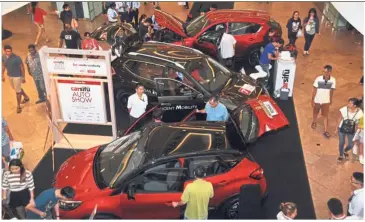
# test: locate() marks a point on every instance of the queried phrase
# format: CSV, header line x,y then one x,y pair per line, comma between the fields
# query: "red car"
x,y
139,175
247,26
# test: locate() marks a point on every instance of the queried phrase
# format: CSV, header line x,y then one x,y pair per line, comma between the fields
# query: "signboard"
x,y
82,102
64,65
284,76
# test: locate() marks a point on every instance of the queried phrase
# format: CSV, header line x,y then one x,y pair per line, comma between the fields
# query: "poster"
x,y
284,76
82,102
64,65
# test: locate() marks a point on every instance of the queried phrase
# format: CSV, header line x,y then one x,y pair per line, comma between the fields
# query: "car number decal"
x,y
270,108
246,89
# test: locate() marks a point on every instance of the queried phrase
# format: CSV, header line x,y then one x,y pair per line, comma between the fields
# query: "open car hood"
x,y
170,22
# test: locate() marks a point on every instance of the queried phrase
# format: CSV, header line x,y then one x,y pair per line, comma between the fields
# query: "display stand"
x,y
75,91
284,76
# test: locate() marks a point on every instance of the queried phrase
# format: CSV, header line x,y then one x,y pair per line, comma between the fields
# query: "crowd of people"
x,y
18,185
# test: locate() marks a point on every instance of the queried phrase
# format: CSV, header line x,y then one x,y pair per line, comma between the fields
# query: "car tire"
x,y
230,208
253,57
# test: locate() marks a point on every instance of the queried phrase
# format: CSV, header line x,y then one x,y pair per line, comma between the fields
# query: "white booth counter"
x,y
284,76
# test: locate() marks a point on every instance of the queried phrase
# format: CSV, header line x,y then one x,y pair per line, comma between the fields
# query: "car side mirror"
x,y
131,191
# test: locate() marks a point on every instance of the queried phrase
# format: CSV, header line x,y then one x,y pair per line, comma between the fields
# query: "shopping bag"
x,y
16,150
299,33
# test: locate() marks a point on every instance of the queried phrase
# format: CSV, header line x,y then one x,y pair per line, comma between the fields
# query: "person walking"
x,y
112,14
294,25
6,138
288,211
348,121
122,8
71,38
19,183
134,12
270,52
66,15
227,48
15,69
42,207
137,104
38,16
311,28
359,140
323,89
196,196
34,67
356,201
215,110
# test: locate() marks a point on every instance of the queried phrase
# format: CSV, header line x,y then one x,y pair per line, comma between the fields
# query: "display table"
x,y
284,76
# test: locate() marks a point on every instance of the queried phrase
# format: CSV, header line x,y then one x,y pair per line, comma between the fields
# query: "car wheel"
x,y
254,57
231,208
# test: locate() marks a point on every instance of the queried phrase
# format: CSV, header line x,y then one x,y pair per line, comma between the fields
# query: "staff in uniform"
x,y
137,104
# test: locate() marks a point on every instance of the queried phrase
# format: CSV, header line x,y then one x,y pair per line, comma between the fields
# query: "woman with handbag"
x,y
311,28
294,27
350,116
19,183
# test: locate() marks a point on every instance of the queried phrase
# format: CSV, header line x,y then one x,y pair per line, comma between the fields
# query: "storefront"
x,y
82,10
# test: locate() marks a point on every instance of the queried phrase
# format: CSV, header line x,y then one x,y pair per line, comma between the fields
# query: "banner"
x,y
63,65
284,76
82,102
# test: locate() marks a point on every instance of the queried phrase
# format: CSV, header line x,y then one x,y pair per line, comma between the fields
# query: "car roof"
x,y
167,53
180,139
232,14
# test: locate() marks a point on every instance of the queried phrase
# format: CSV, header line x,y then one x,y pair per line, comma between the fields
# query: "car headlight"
x,y
69,204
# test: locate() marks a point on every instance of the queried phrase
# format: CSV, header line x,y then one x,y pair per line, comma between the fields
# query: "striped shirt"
x,y
12,182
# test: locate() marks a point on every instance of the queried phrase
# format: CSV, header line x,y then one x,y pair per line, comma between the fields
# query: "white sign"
x,y
284,76
81,102
63,65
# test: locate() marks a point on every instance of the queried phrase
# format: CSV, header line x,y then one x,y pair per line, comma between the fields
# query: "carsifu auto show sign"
x,y
65,65
284,75
81,101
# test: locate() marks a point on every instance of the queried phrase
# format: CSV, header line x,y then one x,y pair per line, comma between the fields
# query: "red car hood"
x,y
269,114
77,172
171,22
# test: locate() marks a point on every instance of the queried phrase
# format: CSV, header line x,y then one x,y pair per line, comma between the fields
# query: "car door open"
x,y
172,90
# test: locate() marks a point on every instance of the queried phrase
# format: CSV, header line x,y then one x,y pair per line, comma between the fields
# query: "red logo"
x,y
90,71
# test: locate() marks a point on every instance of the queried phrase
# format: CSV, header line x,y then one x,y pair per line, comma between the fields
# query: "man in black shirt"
x,y
144,29
71,38
66,15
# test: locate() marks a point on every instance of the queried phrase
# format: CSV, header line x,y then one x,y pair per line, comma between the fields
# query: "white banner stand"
x,y
75,90
284,76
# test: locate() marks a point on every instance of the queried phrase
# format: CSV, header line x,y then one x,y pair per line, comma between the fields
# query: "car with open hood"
x,y
182,79
139,175
248,27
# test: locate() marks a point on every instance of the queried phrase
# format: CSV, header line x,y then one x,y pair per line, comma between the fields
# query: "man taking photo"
x,y
196,196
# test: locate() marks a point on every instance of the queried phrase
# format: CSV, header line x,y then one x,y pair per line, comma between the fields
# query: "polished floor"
x,y
327,177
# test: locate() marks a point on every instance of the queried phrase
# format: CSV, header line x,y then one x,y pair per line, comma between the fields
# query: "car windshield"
x,y
209,73
248,123
197,25
118,158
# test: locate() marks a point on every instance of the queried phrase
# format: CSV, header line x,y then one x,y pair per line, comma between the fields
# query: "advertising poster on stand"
x,y
82,101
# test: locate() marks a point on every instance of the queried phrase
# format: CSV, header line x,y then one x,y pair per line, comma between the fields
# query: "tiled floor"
x,y
327,177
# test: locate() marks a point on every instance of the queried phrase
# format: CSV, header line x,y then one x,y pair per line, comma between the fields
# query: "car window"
x,y
198,24
168,177
242,28
173,87
144,69
213,164
217,27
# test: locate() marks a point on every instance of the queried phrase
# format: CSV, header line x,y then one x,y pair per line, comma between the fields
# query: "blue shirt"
x,y
45,203
4,134
264,59
219,113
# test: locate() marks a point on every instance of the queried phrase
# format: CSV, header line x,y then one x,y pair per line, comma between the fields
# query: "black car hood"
x,y
239,89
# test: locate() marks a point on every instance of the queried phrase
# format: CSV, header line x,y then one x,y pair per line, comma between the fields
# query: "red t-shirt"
x,y
90,44
38,16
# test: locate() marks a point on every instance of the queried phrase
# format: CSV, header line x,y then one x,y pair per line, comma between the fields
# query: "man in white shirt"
x,y
137,104
336,211
112,13
226,48
122,8
323,88
356,201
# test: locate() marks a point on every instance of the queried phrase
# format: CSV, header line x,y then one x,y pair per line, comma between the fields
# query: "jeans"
x,y
41,89
266,68
124,17
5,152
342,140
292,40
308,41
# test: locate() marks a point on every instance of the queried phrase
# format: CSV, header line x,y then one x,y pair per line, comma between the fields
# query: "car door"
x,y
209,40
155,190
245,34
176,98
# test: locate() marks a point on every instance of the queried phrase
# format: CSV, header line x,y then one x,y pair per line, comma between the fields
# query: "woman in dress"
x,y
311,28
18,188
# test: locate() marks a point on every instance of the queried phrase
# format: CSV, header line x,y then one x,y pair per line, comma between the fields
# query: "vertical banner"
x,y
82,101
284,76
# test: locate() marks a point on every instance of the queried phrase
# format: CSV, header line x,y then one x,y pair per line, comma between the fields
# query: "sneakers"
x,y
306,53
339,159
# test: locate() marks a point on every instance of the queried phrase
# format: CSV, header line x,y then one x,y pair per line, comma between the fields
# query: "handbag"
x,y
299,33
348,125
